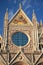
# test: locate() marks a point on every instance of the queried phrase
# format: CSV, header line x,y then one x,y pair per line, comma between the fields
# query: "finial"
x,y
7,10
33,10
20,5
33,13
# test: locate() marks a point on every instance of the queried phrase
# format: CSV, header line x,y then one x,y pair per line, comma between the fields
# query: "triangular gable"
x,y
20,56
2,61
24,18
37,62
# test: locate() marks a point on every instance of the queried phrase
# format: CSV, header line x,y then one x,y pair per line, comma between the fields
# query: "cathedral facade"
x,y
22,41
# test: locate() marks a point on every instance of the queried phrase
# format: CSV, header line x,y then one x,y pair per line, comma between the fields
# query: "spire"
x,y
34,20
7,10
20,6
33,15
40,22
6,18
6,14
5,28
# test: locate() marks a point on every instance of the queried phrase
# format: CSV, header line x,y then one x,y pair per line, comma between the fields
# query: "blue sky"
x,y
27,6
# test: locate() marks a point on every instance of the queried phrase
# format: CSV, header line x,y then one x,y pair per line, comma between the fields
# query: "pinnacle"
x,y
20,6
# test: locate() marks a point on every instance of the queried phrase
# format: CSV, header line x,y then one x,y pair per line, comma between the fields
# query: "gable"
x,y
20,18
20,56
40,59
2,61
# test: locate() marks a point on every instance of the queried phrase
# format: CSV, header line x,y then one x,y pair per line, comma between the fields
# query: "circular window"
x,y
20,39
